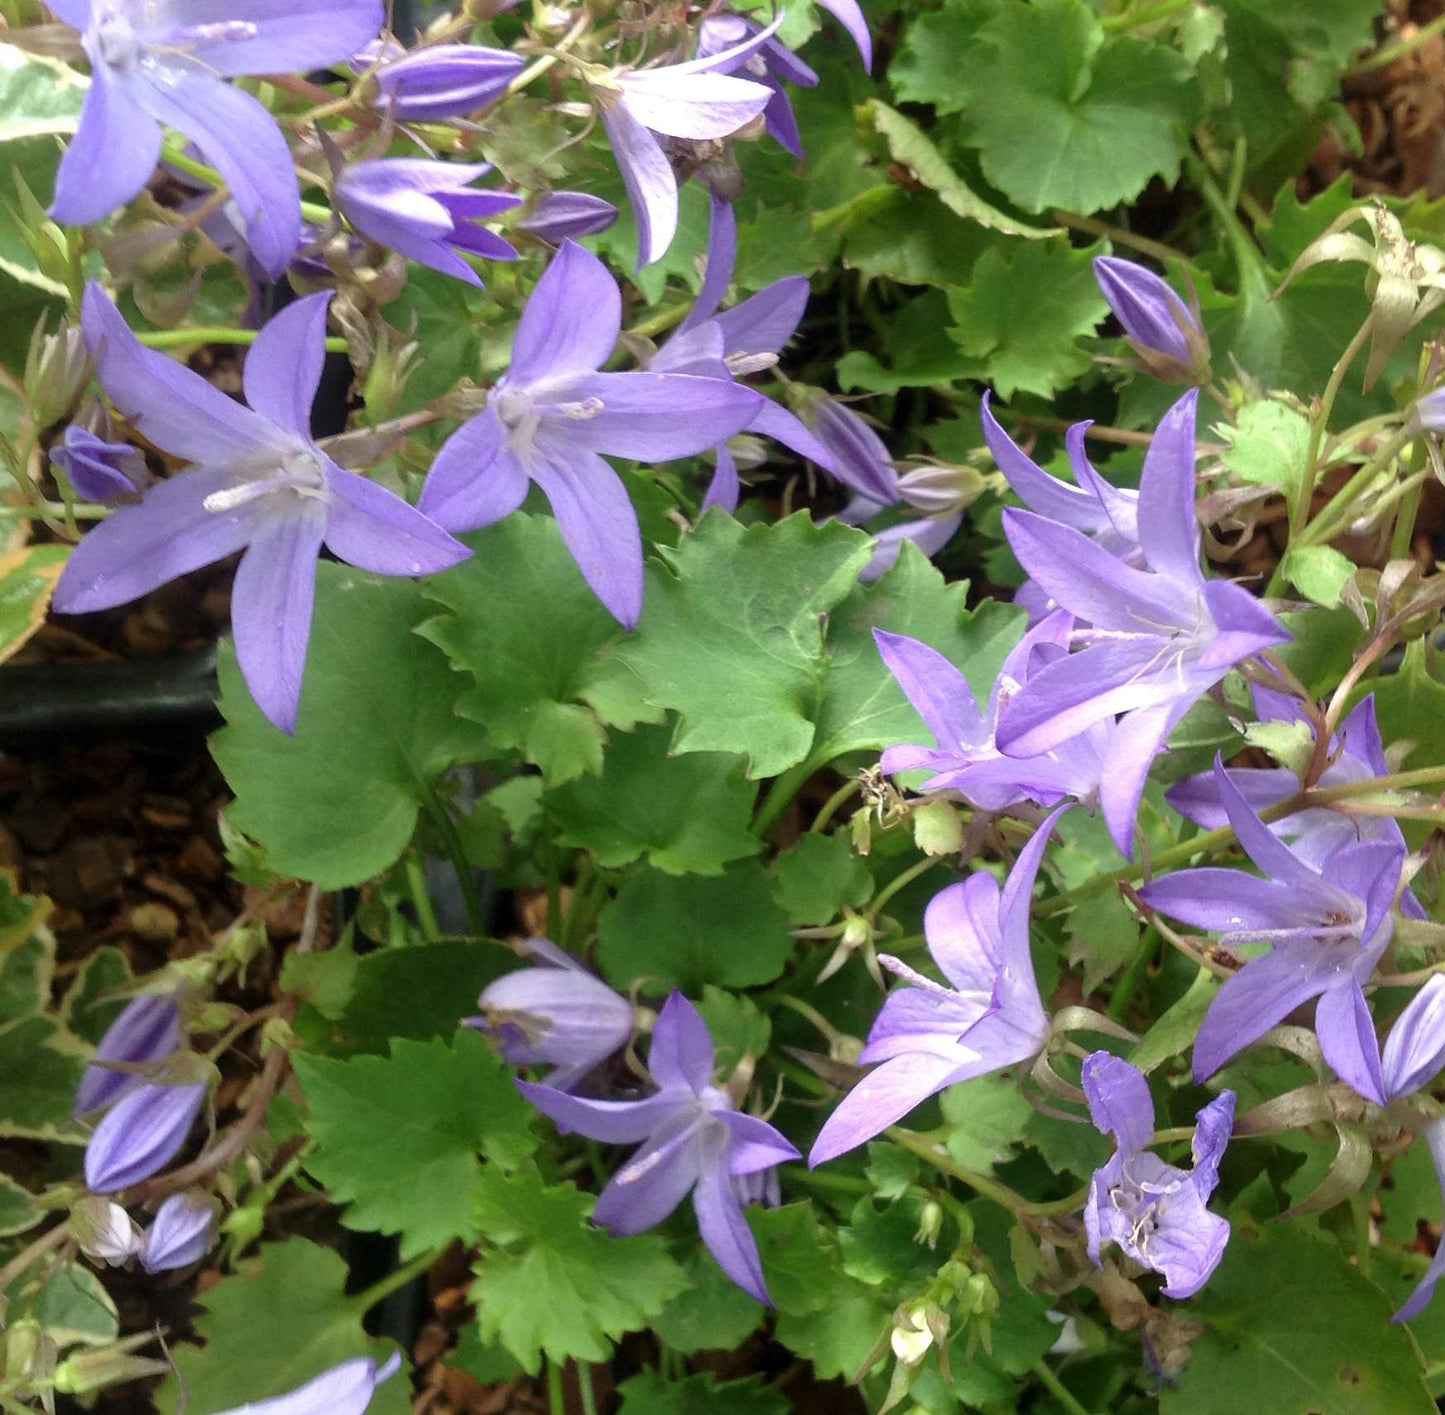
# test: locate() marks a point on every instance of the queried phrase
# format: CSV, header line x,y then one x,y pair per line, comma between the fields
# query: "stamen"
x,y
579,412
740,364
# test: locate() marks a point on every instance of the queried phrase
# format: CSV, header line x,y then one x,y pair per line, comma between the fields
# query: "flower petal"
x,y
571,321
682,1053
756,1145
649,179
938,691
698,106
726,1233
653,417
655,1179
112,155
763,323
613,1122
849,14
1347,1038
264,36
283,367
1168,527
1415,1048
474,480
723,490
883,1096
1419,1299
722,251
374,529
1119,1101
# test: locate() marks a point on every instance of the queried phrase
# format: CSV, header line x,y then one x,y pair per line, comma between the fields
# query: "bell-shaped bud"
x,y
99,470
436,82
147,1030
140,1135
912,1334
57,368
84,1372
1430,410
343,1390
558,1013
181,1232
1162,329
861,461
104,1232
562,216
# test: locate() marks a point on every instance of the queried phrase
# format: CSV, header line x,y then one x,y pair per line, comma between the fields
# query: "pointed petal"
x,y
1040,492
649,179
137,548
1231,901
1196,798
756,1145
1119,1101
723,490
722,252
653,417
775,421
726,1233
881,1098
346,1389
681,1054
929,534
276,36
763,323
598,524
655,1180
849,14
112,155
613,1122
283,367
1274,858
1134,743
474,480
1212,1128
374,529
1347,1038
1168,527
961,924
571,321
1016,898
938,691
1419,1299
1415,1048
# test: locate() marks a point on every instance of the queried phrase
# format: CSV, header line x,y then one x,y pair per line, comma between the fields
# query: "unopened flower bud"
x,y
437,82
140,1135
861,460
911,1335
84,1372
930,1222
104,1232
57,368
147,1030
559,216
181,1233
940,488
99,470
979,1297
245,1225
1162,329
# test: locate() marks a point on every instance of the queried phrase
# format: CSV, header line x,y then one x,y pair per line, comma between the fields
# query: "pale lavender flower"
x,y
849,14
180,1234
104,1232
929,533
771,65
1434,1137
261,485
1159,325
561,216
147,1030
551,415
425,211
1161,634
163,63
1326,928
1430,410
697,101
1415,1049
929,1036
140,1134
343,1390
439,81
558,1013
99,470
860,460
692,1140
1154,1211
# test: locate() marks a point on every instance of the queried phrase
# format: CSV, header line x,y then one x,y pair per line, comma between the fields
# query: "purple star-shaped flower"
x,y
261,484
157,62
770,65
552,414
692,1139
1326,928
1161,634
1154,1211
425,211
929,1036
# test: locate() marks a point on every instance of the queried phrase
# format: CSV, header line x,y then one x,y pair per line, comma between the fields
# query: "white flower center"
x,y
298,475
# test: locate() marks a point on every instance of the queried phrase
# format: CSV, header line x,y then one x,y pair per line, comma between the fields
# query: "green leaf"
x,y
73,1307
1319,572
687,814
818,877
1020,317
1103,935
937,44
398,1137
987,1118
91,1003
377,726
27,577
1266,444
19,1211
651,1393
1294,1329
1409,706
712,1313
737,1027
548,1282
1177,1028
39,1070
881,1247
529,634
327,981
915,239
732,634
443,317
37,96
664,931
799,1256
909,146
280,1320
26,971
1065,116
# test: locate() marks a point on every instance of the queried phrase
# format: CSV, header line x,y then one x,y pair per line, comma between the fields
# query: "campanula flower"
x,y
1162,329
147,1030
557,1013
1415,1049
180,1234
1326,928
99,470
1434,1136
551,415
140,1134
104,1232
1154,1211
165,64
849,14
692,1140
771,65
555,217
343,1390
425,211
439,81
261,485
860,460
929,1036
1160,634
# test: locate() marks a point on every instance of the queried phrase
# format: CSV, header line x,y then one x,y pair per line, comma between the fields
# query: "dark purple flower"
x,y
1326,928
180,1234
929,1036
1154,1211
1161,328
692,1139
140,1134
562,216
99,470
154,64
1160,634
439,81
262,485
343,1390
772,64
425,211
558,1013
147,1030
551,415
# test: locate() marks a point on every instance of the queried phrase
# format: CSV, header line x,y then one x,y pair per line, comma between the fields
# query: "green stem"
x,y
981,1184
830,807
1409,492
1300,511
1057,1388
456,851
1152,14
213,334
1336,509
368,1297
901,881
556,1397
1125,988
780,796
1400,48
85,510
584,1380
420,899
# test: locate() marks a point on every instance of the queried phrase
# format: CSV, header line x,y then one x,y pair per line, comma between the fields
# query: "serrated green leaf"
x,y
1319,572
19,1210
1266,444
279,1320
915,239
651,1393
398,1138
711,1314
376,728
549,1283
1019,318
737,1027
881,1247
327,980
799,1256
72,1305
1103,935
987,1117
665,931
688,814
816,878
92,1002
937,44
1177,1027
732,634
25,975
891,1169
1409,706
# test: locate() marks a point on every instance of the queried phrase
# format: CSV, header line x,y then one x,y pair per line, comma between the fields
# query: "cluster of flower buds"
x,y
181,1233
